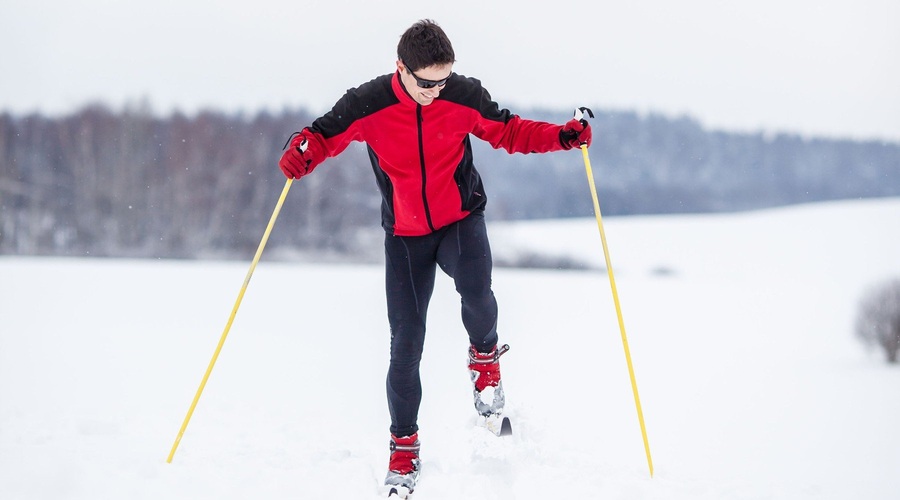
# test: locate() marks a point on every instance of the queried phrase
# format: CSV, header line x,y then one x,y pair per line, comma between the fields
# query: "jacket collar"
x,y
401,92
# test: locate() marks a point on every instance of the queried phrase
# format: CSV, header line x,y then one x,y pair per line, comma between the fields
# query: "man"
x,y
417,124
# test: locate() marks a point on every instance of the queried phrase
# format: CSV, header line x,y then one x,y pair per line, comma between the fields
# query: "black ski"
x,y
505,427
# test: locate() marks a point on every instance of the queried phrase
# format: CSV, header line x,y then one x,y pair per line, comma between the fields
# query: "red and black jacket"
x,y
421,155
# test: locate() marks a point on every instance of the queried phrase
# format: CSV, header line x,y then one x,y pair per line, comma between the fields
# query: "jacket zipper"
x,y
422,163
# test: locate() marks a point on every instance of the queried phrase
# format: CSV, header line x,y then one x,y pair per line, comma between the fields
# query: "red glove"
x,y
295,163
575,133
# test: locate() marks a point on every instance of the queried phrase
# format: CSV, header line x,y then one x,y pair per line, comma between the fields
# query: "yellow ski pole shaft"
x,y
615,294
234,310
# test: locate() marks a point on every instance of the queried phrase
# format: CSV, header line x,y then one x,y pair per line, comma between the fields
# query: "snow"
x,y
739,325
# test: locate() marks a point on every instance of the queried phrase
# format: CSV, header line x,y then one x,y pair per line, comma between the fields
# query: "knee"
x,y
406,348
473,287
483,302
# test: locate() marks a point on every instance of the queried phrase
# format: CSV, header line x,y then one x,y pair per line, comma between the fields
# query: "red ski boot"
x,y
484,368
403,470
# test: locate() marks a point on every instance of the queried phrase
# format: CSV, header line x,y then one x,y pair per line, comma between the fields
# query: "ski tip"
x,y
399,493
506,427
497,424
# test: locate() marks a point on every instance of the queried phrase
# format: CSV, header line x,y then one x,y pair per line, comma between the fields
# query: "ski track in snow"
x,y
740,329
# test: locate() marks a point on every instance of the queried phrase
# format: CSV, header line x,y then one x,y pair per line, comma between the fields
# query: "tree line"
x,y
130,183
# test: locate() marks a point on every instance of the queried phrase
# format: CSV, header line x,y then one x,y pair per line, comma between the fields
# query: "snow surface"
x,y
740,328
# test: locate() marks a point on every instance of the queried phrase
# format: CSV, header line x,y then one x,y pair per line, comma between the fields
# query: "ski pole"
x,y
579,115
237,304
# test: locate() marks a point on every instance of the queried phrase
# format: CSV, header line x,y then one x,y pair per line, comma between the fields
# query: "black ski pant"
x,y
462,251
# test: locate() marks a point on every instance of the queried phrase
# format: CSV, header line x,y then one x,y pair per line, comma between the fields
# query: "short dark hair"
x,y
425,44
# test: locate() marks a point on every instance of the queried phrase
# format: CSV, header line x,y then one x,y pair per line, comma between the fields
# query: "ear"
x,y
400,66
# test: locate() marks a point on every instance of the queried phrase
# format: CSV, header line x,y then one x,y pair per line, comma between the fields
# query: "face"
x,y
424,76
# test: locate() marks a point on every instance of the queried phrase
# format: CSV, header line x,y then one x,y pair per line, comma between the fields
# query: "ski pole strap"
x,y
486,358
305,144
579,113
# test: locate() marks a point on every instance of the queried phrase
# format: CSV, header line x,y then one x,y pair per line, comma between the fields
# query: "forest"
x,y
132,183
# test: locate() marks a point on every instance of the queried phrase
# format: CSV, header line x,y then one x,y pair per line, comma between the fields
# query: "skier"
x,y
417,123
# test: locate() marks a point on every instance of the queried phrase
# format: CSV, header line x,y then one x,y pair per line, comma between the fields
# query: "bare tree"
x,y
878,322
130,183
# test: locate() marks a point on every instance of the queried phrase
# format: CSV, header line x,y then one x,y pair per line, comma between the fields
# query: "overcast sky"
x,y
817,67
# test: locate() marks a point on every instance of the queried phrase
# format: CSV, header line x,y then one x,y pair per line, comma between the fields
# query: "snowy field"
x,y
740,328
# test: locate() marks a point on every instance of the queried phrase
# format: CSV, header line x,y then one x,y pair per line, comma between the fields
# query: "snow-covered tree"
x,y
878,322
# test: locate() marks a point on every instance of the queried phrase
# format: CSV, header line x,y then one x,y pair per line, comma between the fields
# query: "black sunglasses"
x,y
429,84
